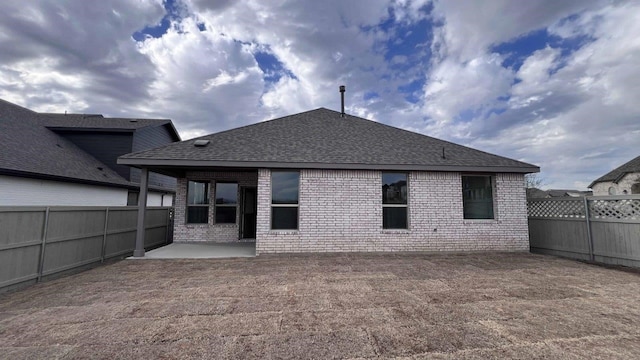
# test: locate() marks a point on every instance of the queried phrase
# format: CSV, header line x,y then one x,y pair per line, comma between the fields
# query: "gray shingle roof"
x,y
96,121
618,173
321,138
29,149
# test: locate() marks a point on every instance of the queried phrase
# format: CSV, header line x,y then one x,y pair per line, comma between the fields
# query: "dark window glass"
x,y
197,202
226,193
284,200
284,218
198,214
394,217
394,188
198,193
225,214
226,203
284,187
394,200
477,197
132,198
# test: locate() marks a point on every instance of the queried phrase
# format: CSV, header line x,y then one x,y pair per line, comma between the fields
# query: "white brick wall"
x,y
184,232
342,211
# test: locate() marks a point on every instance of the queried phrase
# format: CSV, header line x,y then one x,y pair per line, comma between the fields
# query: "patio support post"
x,y
142,211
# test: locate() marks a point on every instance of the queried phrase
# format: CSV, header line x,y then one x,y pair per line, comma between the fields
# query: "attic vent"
x,y
201,143
133,120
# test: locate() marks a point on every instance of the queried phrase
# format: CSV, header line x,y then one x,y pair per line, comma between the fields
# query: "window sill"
x,y
196,224
395,231
284,232
479,221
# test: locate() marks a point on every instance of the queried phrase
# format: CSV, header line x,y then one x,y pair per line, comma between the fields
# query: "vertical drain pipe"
x,y
342,90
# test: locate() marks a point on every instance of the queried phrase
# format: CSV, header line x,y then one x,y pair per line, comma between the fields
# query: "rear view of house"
x,y
322,181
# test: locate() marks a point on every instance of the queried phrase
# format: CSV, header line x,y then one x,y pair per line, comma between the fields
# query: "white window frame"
x,y
406,206
297,205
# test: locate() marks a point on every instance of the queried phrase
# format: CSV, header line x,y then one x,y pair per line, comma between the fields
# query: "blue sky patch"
x,y
516,51
412,90
156,31
272,68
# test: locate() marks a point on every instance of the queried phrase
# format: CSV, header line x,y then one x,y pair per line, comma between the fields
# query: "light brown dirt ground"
x,y
330,306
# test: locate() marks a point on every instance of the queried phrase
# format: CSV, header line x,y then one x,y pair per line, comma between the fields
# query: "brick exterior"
x,y
341,211
184,232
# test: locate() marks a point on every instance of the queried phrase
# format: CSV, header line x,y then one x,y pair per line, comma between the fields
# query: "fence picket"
x,y
612,225
67,241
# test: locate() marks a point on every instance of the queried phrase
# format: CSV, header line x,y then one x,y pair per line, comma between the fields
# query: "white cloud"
x,y
454,87
563,105
471,27
574,113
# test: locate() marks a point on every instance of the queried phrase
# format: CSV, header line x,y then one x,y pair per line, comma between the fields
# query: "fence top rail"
x,y
22,208
615,197
602,197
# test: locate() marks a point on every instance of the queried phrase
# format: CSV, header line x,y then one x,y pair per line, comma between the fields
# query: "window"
x,y
284,200
394,200
226,203
477,196
198,202
612,190
132,198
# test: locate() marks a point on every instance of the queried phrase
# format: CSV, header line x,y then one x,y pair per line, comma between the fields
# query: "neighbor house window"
x,y
284,200
226,203
132,198
198,202
394,200
477,196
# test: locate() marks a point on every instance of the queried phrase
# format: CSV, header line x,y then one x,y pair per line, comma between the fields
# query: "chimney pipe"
x,y
342,90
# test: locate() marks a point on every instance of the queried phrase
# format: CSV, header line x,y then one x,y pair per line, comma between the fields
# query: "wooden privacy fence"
x,y
598,228
37,242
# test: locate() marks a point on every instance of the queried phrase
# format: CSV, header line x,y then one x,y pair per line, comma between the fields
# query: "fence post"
x,y
104,235
166,229
587,217
43,245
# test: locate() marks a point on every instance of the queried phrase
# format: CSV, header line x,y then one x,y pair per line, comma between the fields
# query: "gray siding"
x,y
104,146
150,138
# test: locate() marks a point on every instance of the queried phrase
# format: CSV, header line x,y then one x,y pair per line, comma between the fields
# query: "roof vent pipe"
x,y
342,90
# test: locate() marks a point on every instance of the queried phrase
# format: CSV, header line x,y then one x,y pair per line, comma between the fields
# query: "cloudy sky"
x,y
553,83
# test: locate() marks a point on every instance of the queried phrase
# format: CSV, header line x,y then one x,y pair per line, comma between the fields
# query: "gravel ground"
x,y
472,306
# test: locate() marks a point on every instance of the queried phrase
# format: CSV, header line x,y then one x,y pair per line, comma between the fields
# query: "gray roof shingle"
x,y
96,121
29,149
618,173
321,138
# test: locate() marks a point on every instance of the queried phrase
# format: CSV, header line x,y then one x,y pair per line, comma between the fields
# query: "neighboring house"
x,y
70,159
622,180
319,181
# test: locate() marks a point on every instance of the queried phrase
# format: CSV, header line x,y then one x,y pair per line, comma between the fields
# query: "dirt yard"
x,y
330,306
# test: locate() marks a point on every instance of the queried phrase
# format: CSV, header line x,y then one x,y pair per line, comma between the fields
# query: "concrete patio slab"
x,y
201,251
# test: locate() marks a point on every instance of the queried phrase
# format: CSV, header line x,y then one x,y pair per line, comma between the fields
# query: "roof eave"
x,y
308,165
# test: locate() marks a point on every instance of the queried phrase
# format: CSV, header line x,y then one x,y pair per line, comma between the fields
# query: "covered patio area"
x,y
202,251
